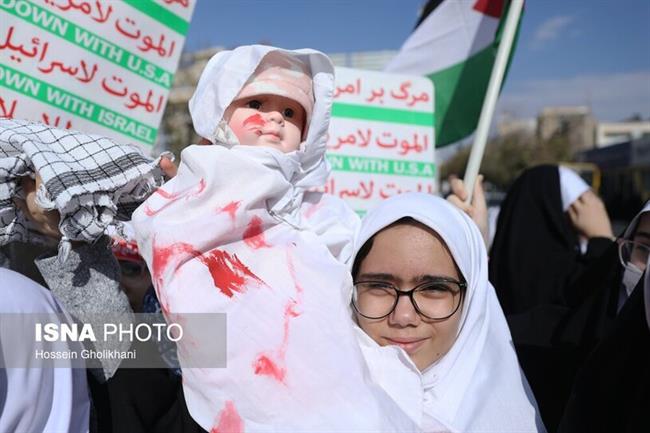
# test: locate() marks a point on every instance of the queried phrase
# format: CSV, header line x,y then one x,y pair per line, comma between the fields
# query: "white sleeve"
x,y
37,399
333,221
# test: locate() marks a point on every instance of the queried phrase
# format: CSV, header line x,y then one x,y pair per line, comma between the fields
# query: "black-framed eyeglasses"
x,y
634,252
436,299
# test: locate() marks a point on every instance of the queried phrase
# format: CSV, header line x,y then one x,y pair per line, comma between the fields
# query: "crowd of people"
x,y
400,321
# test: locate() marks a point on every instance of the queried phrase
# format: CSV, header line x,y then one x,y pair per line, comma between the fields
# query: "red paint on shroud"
x,y
175,196
492,8
264,366
192,191
163,257
253,235
229,420
255,120
292,272
229,274
231,208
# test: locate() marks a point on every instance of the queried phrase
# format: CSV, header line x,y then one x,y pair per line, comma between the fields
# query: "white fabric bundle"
x,y
478,385
236,232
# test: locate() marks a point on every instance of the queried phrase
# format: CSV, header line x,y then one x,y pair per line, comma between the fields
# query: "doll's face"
x,y
267,120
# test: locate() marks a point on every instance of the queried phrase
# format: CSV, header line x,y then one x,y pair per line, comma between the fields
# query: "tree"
x,y
508,155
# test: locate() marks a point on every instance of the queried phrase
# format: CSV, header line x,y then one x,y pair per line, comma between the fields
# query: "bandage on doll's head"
x,y
284,75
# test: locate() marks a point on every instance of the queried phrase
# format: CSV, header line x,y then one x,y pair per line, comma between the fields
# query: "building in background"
x,y
577,124
508,123
608,133
625,175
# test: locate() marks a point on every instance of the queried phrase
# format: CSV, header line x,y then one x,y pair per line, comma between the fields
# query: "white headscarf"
x,y
477,385
631,273
37,399
571,186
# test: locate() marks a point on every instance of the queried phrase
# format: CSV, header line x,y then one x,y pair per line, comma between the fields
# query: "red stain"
x,y
229,274
163,257
493,8
253,235
175,253
192,191
292,272
229,420
263,366
174,196
255,120
231,208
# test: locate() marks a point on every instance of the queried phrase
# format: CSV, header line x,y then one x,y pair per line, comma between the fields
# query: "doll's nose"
x,y
275,116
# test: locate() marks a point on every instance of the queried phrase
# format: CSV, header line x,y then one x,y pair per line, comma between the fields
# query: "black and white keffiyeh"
x,y
92,181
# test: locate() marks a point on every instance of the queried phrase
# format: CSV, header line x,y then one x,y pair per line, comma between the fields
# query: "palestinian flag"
x,y
455,43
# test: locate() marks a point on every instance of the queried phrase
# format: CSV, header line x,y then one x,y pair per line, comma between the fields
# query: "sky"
x,y
570,52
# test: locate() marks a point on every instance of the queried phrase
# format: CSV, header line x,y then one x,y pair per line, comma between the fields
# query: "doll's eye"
x,y
254,104
288,113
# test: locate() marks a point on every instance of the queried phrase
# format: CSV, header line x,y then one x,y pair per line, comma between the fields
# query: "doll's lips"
x,y
410,345
272,133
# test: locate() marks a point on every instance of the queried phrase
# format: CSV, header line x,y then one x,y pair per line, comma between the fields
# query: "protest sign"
x,y
381,137
103,67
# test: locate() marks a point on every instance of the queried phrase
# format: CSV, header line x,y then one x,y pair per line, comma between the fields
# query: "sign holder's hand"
x,y
589,216
476,209
168,167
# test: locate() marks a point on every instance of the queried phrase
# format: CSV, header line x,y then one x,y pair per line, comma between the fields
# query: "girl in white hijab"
x,y
457,373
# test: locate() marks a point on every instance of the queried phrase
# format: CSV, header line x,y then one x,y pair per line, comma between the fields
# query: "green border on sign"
x,y
95,44
163,16
380,114
75,104
394,167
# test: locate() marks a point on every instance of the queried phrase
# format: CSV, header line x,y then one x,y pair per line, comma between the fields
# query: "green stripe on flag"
x,y
460,90
380,114
89,41
363,164
74,104
157,12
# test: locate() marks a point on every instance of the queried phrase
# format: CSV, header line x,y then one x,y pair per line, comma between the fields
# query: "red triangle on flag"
x,y
493,8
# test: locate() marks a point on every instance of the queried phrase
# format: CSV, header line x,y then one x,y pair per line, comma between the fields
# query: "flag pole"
x,y
489,103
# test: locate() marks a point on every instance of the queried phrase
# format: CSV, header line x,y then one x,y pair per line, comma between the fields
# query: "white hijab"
x,y
477,385
37,399
631,273
572,186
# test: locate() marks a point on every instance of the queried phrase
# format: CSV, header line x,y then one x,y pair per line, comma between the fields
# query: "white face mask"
x,y
631,277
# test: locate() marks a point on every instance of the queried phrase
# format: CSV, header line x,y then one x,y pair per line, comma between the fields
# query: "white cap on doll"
x,y
281,74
